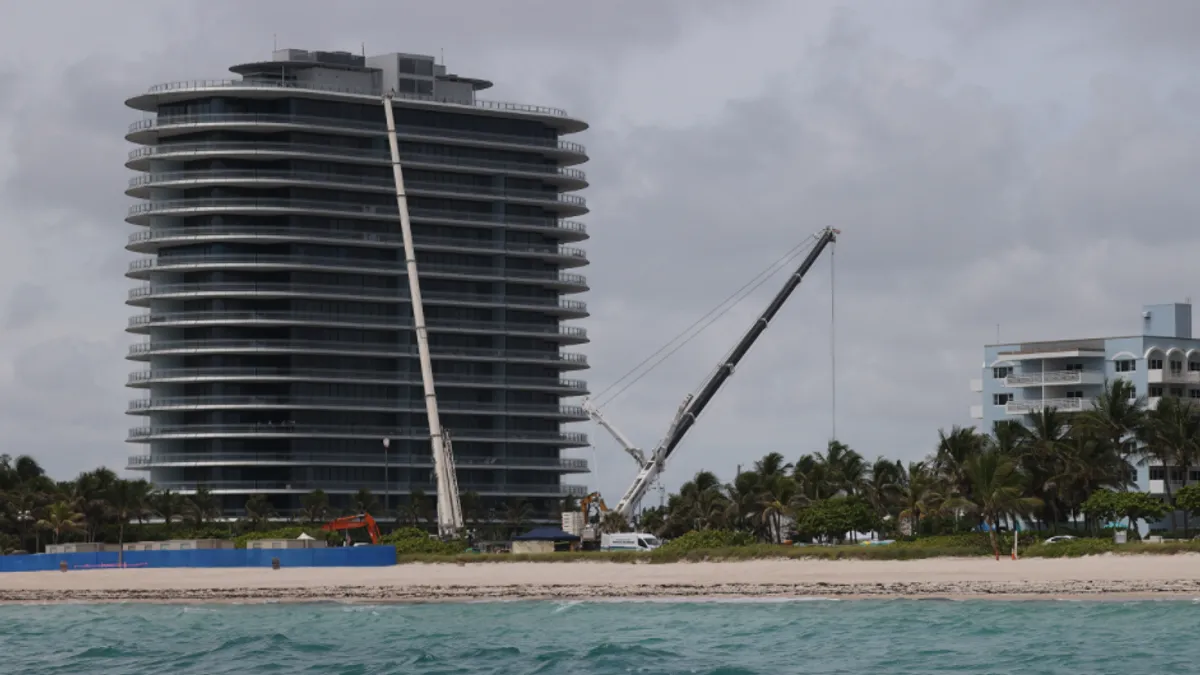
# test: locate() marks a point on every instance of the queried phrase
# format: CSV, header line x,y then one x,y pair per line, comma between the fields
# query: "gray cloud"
x,y
973,189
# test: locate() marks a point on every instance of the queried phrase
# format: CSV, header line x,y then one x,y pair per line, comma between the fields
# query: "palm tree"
x,y
201,508
1045,445
1171,435
365,502
126,499
314,506
954,452
517,513
1116,415
614,522
917,493
167,505
997,491
60,518
882,485
259,510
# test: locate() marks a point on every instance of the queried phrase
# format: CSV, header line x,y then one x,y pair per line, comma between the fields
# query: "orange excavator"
x,y
354,522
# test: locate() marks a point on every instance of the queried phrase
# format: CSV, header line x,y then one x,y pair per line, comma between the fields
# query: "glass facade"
x,y
278,348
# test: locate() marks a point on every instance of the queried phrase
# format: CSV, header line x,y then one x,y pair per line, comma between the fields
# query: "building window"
x,y
1074,366
1155,391
1001,399
1177,392
1176,367
1193,393
1075,394
1158,473
1156,364
1128,366
1194,366
1001,372
1193,475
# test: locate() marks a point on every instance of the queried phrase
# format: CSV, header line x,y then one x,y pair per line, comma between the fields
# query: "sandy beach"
x,y
1106,576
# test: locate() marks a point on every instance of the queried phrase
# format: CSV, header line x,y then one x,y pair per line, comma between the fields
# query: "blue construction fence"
x,y
345,556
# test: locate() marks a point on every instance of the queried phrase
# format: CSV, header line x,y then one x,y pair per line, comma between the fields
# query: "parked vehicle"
x,y
629,541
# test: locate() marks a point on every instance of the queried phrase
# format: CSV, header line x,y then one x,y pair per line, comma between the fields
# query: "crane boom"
x,y
693,405
449,510
633,450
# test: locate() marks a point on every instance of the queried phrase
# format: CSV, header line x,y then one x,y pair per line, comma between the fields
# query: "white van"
x,y
629,541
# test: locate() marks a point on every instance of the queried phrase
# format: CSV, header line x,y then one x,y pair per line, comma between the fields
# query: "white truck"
x,y
629,541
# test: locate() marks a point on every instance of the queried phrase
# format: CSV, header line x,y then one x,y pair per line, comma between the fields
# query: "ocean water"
x,y
873,637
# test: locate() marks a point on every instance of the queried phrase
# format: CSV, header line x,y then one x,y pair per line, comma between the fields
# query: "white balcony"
x,y
977,385
1054,377
976,412
1168,376
1029,406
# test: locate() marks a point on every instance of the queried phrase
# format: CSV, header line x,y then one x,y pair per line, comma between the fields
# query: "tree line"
x,y
1063,470
98,505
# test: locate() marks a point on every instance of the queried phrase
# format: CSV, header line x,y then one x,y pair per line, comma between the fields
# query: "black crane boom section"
x,y
688,416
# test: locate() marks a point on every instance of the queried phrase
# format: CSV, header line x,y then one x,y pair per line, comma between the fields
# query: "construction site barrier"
x,y
349,556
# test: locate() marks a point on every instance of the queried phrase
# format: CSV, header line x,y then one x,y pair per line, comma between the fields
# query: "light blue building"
x,y
1163,359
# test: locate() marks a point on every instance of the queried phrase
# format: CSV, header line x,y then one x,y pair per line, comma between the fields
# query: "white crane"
x,y
449,508
694,404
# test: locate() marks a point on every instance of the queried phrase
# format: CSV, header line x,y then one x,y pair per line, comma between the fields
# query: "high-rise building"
x,y
279,351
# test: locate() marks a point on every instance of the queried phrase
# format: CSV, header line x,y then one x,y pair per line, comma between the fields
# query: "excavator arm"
x,y
353,523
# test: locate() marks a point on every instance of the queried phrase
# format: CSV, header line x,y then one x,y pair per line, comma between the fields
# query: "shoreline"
x,y
1093,578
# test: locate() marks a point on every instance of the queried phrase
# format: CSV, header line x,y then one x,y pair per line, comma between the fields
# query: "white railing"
x,y
1037,405
1051,377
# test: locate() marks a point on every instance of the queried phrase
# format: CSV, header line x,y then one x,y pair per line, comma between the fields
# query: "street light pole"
x,y
387,483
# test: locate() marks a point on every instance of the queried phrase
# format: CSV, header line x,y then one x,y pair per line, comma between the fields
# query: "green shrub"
x,y
415,541
705,539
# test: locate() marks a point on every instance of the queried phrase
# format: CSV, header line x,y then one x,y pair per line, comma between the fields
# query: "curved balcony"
x,y
145,406
148,131
139,159
566,204
140,214
567,309
377,487
150,241
255,88
143,322
145,350
180,460
145,293
145,378
566,439
189,262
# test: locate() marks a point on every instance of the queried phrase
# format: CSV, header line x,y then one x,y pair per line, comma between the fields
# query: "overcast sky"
x,y
1027,164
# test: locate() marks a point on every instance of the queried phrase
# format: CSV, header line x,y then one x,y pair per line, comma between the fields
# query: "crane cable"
x,y
832,342
737,296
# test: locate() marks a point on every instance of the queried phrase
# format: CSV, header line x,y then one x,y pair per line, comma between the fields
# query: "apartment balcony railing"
x,y
142,405
1172,376
333,347
573,333
358,155
252,233
139,212
1054,377
1028,406
166,122
351,459
284,428
374,182
332,374
377,487
384,267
